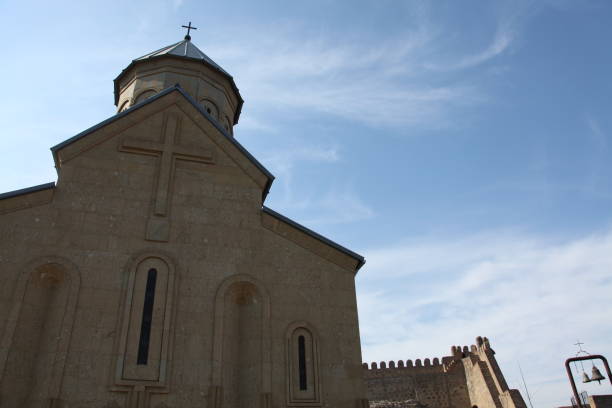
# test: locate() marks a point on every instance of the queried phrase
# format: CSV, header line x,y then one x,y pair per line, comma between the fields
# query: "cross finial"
x,y
189,28
580,350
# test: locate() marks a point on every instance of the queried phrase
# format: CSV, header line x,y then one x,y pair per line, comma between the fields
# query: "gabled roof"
x,y
184,49
27,190
360,259
26,198
55,149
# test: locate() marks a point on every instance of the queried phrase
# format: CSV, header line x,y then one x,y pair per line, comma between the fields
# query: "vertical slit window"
x,y
302,363
147,318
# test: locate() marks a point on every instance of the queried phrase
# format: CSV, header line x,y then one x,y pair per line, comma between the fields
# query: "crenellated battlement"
x,y
469,376
445,363
418,363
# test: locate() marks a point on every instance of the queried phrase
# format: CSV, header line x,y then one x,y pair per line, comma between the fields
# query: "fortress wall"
x,y
486,383
481,389
429,382
469,377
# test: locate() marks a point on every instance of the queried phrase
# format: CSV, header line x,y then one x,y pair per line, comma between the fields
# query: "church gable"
x,y
175,135
157,156
138,119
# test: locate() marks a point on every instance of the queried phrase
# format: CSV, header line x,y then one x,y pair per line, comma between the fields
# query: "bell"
x,y
596,375
585,378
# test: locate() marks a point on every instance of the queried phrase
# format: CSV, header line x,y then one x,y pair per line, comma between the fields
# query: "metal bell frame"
x,y
596,374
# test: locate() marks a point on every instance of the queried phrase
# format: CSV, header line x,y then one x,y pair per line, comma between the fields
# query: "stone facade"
x,y
469,377
151,275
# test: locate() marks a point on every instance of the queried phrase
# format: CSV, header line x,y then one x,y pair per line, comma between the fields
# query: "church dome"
x,y
185,64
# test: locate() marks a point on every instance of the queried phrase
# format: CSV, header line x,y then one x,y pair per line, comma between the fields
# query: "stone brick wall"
x,y
430,383
69,254
600,401
469,377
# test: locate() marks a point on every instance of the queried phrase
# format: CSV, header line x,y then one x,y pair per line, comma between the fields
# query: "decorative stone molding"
x,y
140,382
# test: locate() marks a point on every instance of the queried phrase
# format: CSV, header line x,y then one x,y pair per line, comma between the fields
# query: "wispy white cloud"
x,y
331,203
250,123
283,163
381,83
338,207
597,133
531,296
511,17
598,166
331,206
404,80
501,42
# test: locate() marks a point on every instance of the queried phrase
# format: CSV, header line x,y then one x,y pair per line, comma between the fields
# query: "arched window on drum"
x,y
210,108
124,105
144,95
227,125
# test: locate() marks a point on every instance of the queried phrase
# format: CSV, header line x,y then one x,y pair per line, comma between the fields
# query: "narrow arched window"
x,y
146,322
302,363
147,318
302,367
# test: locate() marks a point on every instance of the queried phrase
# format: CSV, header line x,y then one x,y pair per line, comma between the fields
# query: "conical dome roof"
x,y
184,49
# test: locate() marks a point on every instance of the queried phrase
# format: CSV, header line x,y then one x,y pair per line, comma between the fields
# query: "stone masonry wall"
x,y
430,383
600,401
69,254
469,377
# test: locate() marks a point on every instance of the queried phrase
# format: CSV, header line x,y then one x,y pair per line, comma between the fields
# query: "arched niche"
x,y
241,366
37,335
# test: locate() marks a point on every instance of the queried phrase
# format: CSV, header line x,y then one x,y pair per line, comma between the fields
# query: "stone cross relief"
x,y
168,151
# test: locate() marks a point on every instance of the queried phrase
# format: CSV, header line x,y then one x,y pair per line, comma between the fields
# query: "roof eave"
x,y
27,190
360,259
233,140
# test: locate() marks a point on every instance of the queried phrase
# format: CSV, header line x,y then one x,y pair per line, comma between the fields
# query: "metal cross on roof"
x,y
580,349
189,28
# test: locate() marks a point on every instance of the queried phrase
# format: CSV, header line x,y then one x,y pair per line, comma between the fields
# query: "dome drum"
x,y
200,77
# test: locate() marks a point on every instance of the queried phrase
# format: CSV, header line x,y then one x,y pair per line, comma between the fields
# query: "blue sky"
x,y
463,147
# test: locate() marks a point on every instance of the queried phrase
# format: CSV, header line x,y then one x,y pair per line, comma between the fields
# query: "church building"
x,y
152,275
